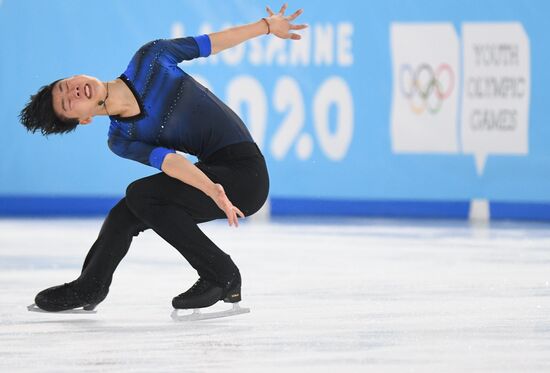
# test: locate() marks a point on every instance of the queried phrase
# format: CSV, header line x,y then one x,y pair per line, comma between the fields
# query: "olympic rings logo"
x,y
425,88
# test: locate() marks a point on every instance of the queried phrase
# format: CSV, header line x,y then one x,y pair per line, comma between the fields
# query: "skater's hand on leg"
x,y
178,167
220,198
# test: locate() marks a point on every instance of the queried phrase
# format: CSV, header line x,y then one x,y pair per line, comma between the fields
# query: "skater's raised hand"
x,y
276,23
220,198
281,25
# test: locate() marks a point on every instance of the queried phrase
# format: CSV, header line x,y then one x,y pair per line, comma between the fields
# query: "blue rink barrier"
x,y
373,208
520,211
407,209
56,206
283,207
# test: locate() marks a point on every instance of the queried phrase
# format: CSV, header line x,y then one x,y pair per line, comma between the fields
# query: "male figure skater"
x,y
155,109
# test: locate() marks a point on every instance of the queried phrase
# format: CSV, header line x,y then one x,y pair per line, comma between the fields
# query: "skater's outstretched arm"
x,y
277,24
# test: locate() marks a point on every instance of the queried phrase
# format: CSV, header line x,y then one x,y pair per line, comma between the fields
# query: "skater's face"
x,y
78,97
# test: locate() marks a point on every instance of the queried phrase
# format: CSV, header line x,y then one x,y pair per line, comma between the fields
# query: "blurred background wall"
x,y
386,108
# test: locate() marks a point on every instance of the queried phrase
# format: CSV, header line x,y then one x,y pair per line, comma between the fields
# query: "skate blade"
x,y
34,308
198,315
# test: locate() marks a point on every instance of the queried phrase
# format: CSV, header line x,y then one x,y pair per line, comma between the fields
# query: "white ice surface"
x,y
326,296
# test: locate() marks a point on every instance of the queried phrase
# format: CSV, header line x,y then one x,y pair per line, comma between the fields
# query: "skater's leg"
x,y
106,253
111,245
172,209
168,214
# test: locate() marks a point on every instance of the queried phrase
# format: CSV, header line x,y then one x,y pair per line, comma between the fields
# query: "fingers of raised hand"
x,y
269,11
293,16
298,27
295,36
283,9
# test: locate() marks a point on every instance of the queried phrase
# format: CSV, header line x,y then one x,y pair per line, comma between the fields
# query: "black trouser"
x,y
173,209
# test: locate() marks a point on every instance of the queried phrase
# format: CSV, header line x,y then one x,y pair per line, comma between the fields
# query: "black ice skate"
x,y
204,294
67,298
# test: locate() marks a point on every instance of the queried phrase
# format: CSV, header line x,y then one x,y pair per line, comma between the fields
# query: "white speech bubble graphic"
x,y
496,90
425,58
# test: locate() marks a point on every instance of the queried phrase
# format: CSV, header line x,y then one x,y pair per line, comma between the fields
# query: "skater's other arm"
x,y
277,24
179,167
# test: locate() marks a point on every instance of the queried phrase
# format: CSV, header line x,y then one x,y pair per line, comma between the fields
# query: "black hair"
x,y
38,114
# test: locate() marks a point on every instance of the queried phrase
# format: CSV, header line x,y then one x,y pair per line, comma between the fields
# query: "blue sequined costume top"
x,y
177,113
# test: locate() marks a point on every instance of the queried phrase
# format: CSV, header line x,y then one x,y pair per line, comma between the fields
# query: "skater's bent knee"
x,y
118,214
120,209
136,195
132,190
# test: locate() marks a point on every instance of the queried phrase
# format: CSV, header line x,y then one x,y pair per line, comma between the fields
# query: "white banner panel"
x,y
495,99
425,75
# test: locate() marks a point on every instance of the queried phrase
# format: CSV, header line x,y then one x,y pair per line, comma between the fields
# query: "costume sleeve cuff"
x,y
157,157
205,46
